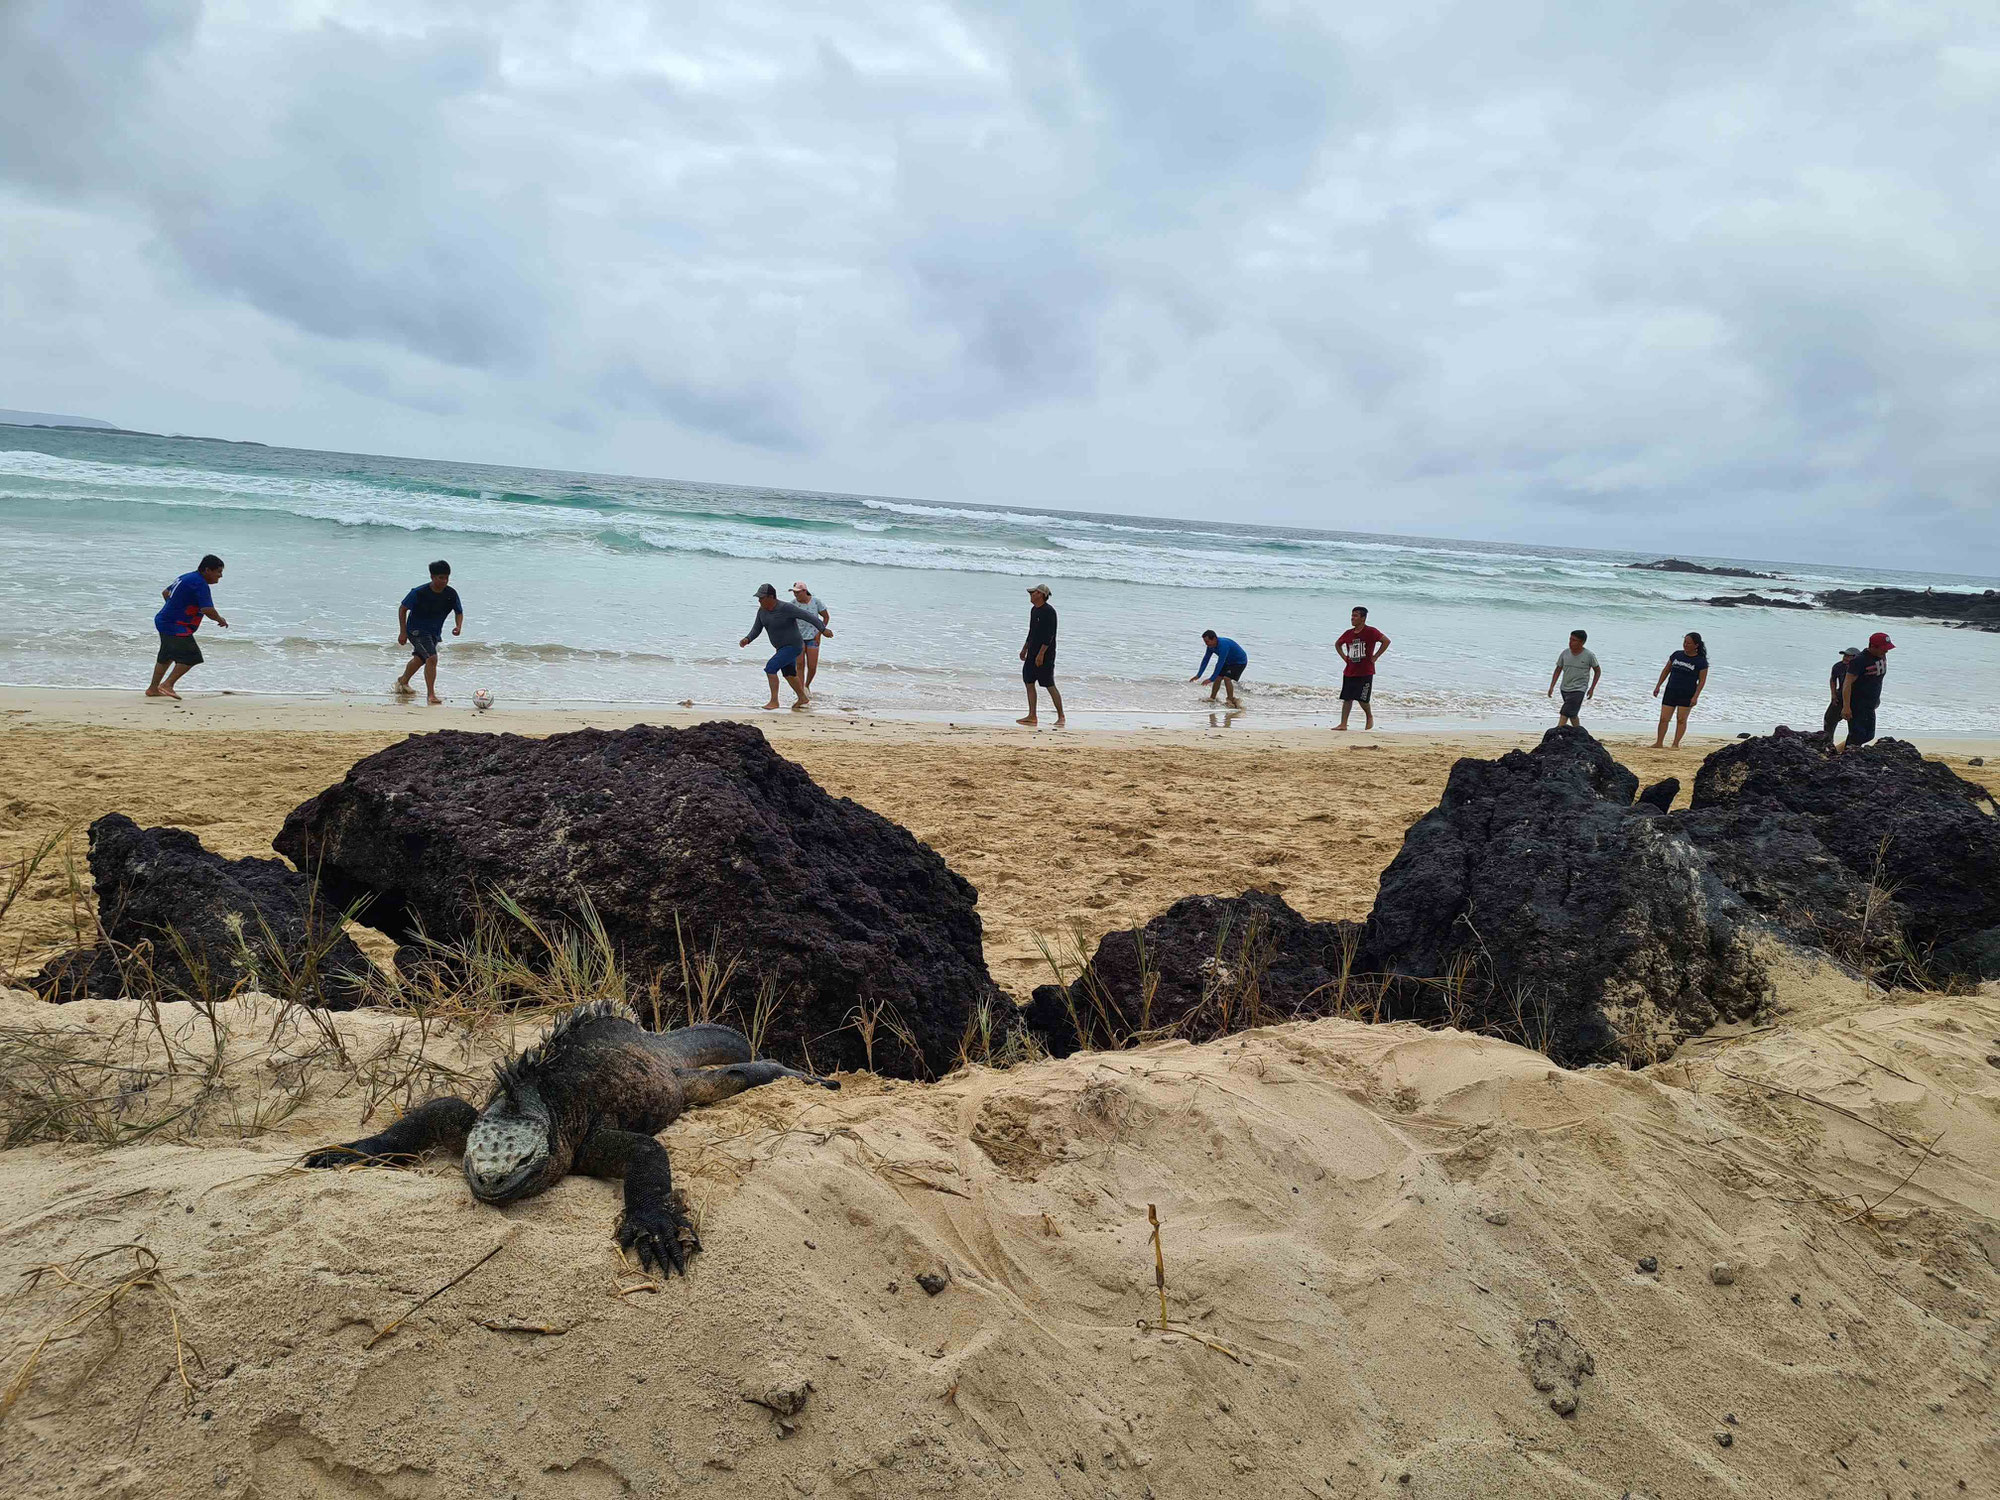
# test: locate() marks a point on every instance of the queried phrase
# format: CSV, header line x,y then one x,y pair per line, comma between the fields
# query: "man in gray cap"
x,y
780,621
1836,710
1038,653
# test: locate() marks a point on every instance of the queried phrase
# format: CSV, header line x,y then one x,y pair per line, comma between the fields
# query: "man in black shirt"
x,y
1038,653
1862,691
1836,684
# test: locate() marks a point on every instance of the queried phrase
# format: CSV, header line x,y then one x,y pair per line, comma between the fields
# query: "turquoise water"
x,y
586,588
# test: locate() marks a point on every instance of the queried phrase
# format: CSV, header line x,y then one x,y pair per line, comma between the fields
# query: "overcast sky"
x,y
1698,277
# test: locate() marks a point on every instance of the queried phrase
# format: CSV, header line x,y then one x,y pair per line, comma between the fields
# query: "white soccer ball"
x,y
482,700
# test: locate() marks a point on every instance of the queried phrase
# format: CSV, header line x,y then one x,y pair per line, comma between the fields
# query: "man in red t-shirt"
x,y
1360,648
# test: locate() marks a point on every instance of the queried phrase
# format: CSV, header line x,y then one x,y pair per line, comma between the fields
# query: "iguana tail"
x,y
702,1046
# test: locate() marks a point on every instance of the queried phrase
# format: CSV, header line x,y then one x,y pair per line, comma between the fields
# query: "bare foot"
x,y
1031,721
768,706
1060,721
1340,728
400,686
167,692
154,693
436,701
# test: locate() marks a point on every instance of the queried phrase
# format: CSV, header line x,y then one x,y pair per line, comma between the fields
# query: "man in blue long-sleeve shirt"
x,y
1230,660
780,621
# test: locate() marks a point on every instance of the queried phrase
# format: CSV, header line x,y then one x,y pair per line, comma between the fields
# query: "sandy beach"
x,y
1379,1238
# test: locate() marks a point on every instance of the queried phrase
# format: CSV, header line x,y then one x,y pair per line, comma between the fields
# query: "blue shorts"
x,y
782,660
423,643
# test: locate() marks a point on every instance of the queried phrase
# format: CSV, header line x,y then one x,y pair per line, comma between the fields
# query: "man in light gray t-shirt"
x,y
1578,671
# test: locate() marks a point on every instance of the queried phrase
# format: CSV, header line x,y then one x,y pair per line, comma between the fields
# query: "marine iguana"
x,y
587,1098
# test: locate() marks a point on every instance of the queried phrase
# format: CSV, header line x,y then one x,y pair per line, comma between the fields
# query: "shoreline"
x,y
233,711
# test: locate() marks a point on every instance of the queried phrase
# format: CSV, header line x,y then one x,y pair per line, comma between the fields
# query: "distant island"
x,y
1676,565
10,418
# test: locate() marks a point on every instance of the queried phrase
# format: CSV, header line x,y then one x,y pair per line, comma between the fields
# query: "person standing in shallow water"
x,y
809,634
188,601
1684,676
420,626
1038,653
779,621
1579,673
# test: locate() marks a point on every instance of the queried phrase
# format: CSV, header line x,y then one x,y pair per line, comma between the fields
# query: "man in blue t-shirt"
x,y
1230,660
420,626
187,600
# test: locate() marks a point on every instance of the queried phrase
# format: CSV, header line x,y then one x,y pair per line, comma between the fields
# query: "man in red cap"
x,y
1862,690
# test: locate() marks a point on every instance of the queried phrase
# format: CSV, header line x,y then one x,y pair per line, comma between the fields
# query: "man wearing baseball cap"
x,y
1836,685
780,622
1038,653
1862,691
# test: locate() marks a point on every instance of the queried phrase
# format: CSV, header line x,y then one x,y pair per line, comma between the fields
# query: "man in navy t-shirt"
x,y
187,600
1861,690
420,626
1230,660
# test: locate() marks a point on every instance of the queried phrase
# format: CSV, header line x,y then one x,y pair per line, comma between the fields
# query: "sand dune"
x,y
1372,1230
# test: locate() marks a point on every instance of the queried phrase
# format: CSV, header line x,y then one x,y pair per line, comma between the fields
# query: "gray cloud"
x,y
1630,273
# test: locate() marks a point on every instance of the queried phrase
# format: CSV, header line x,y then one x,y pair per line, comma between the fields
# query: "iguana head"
x,y
509,1151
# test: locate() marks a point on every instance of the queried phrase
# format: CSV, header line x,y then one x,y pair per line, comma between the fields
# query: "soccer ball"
x,y
482,700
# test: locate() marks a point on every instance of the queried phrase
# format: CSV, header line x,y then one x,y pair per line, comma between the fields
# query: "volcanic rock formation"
x,y
1804,835
1205,966
1537,898
681,842
185,923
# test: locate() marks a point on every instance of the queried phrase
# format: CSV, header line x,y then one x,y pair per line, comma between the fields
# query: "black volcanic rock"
x,y
1981,610
1761,601
1543,901
1680,565
1801,833
1661,794
705,836
1206,966
186,923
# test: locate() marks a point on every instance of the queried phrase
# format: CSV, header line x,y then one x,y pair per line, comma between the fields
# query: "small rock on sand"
x,y
1497,1216
933,1281
1722,1273
1649,1263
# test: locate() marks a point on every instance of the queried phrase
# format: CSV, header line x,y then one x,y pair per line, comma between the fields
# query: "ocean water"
x,y
592,589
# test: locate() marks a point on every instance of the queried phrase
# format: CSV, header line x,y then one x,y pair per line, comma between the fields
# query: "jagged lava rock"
x,y
836,905
1661,794
198,925
1213,963
1537,885
1800,832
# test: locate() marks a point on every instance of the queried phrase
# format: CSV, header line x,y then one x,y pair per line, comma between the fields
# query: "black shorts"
x,y
181,650
1231,674
1678,696
1860,726
1357,689
1572,704
1040,676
